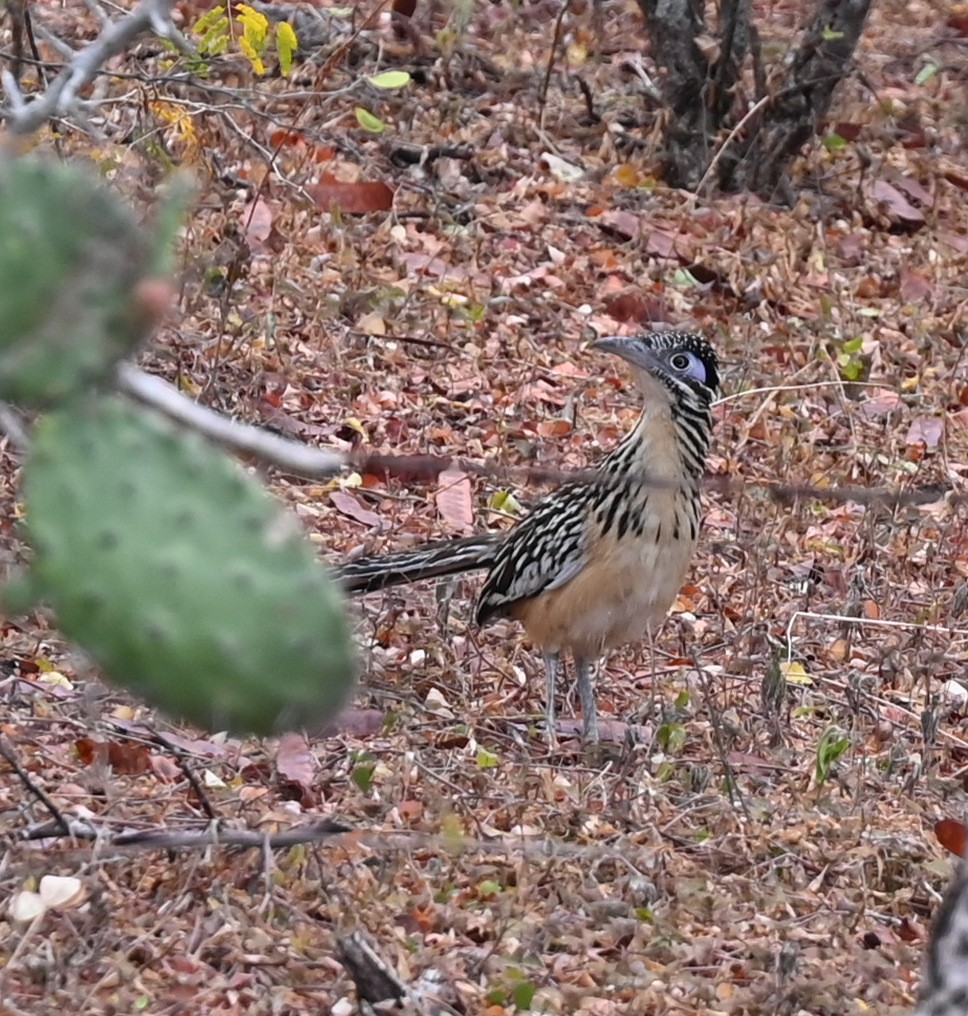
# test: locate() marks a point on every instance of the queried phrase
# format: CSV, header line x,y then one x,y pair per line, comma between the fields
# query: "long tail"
x,y
432,560
944,986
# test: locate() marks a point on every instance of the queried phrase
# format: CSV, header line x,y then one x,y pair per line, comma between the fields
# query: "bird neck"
x,y
669,442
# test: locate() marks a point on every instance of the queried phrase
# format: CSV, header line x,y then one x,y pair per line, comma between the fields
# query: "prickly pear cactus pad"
x,y
179,575
71,256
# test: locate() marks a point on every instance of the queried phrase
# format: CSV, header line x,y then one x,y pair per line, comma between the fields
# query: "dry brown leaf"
x,y
453,499
295,762
349,505
351,198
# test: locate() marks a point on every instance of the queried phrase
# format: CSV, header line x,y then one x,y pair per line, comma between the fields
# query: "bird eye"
x,y
680,361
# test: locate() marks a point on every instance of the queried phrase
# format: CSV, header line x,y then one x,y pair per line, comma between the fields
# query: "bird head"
x,y
682,363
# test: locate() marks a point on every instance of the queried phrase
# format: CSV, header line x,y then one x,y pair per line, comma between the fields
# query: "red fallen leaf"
x,y
868,287
914,286
87,749
397,430
959,23
257,222
624,223
879,402
453,499
125,758
189,745
851,248
894,201
295,762
410,811
346,504
283,138
914,189
752,763
909,930
426,264
360,722
351,198
925,430
661,244
952,835
404,7
954,172
165,770
554,428
911,133
627,307
183,964
847,130
958,242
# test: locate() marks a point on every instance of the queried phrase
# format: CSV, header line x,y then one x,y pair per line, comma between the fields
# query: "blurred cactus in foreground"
x,y
175,571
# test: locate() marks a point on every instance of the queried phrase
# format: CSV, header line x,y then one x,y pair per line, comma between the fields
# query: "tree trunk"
x,y
675,25
702,86
823,59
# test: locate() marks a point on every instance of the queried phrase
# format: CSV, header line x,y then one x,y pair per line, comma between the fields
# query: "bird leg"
x,y
586,695
551,677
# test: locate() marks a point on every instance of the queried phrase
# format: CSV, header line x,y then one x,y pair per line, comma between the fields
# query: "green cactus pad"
x,y
179,575
71,256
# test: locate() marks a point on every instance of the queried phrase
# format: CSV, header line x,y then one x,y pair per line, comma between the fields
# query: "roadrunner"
x,y
944,990
597,563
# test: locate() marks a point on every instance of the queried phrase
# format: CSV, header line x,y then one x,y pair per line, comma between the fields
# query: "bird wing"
x,y
542,552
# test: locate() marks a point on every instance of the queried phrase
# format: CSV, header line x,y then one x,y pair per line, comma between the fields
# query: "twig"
x,y
6,750
545,84
313,463
60,97
175,839
288,455
196,785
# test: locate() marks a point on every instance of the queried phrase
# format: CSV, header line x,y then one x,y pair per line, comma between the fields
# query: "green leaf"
x,y
390,79
208,19
523,996
671,737
683,277
486,759
368,121
834,142
833,743
489,888
927,72
504,501
829,35
362,776
286,46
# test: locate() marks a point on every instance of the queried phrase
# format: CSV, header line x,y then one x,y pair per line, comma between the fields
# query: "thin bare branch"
x,y
60,98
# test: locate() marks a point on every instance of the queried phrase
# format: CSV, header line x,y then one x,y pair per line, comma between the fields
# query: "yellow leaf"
x,y
626,175
795,673
577,54
249,50
354,424
286,46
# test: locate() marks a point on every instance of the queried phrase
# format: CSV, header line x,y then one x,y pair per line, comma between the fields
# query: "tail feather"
x,y
431,560
944,990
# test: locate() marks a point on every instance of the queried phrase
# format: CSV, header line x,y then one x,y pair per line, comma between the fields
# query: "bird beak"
x,y
630,348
